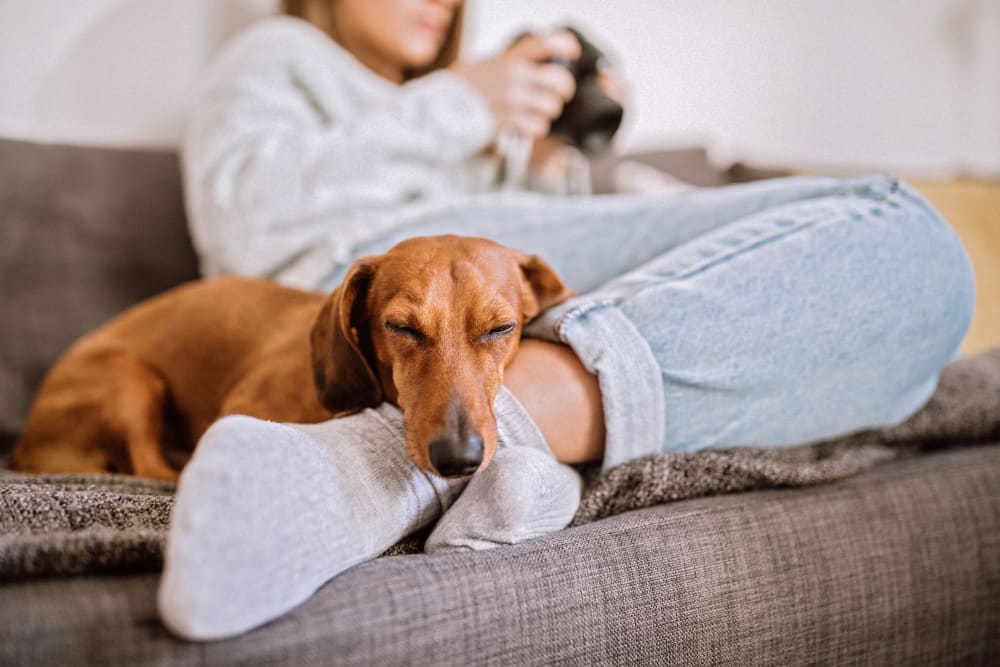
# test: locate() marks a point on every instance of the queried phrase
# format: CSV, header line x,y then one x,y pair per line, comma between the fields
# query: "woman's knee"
x,y
920,291
943,285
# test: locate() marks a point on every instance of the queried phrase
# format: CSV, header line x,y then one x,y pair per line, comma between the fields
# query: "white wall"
x,y
107,71
911,86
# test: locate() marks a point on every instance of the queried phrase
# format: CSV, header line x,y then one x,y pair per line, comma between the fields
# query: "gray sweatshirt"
x,y
296,154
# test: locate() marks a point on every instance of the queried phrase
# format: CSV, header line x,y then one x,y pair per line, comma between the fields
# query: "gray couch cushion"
x,y
84,232
900,565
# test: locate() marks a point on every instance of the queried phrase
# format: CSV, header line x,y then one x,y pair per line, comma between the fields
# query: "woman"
x,y
768,314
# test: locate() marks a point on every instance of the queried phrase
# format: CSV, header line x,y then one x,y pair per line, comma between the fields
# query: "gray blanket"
x,y
74,524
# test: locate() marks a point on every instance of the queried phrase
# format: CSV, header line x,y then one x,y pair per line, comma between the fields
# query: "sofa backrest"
x,y
84,233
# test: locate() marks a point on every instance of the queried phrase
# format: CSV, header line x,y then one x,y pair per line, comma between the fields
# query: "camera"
x,y
590,119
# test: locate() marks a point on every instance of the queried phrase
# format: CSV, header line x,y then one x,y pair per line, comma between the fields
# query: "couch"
x,y
893,558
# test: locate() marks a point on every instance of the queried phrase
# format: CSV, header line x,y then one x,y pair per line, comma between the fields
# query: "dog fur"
x,y
430,326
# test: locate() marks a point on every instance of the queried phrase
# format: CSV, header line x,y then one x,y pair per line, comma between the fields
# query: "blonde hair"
x,y
445,57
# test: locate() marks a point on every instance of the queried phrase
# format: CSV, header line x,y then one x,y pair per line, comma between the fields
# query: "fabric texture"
x,y
897,565
71,524
84,233
56,525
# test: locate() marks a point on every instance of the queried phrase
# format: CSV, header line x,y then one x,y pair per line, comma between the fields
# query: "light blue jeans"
x,y
766,314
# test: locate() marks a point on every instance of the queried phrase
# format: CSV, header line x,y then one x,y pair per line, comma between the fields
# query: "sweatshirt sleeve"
x,y
270,173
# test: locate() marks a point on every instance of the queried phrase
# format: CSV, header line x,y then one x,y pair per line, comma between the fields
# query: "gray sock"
x,y
523,494
265,513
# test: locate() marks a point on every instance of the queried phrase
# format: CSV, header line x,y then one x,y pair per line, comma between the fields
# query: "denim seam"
x,y
629,432
878,188
711,262
571,316
717,260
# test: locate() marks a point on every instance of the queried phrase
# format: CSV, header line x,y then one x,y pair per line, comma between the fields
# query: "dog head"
x,y
430,326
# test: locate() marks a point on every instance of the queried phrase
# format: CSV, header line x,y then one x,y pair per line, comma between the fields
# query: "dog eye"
x,y
407,331
499,332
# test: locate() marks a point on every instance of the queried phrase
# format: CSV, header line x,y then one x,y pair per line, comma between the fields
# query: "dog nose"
x,y
456,457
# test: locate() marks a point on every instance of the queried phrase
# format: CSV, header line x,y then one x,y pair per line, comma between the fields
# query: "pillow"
x,y
84,233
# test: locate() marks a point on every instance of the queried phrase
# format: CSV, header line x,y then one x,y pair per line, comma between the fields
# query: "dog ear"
x,y
342,368
542,287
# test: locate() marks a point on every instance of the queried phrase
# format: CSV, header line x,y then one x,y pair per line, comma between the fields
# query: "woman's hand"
x,y
548,154
524,92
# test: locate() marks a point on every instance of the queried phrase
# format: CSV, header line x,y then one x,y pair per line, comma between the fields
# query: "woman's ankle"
x,y
562,398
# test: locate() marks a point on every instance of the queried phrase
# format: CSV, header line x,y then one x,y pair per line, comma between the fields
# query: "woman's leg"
x,y
591,240
798,322
801,319
561,397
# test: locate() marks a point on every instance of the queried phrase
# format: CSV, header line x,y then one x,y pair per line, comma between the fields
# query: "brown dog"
x,y
429,326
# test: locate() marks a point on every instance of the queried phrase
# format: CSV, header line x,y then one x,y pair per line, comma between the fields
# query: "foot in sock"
x,y
523,494
265,513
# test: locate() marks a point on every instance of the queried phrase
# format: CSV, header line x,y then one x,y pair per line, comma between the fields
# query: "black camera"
x,y
591,118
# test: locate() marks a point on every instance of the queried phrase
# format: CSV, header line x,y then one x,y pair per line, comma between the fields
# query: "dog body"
x,y
158,375
430,326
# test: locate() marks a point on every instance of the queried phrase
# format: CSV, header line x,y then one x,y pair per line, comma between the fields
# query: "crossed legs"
x,y
767,315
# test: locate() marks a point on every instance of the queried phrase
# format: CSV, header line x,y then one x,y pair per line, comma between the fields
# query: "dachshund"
x,y
429,326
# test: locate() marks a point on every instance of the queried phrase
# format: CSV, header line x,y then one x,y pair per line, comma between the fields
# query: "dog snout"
x,y
456,456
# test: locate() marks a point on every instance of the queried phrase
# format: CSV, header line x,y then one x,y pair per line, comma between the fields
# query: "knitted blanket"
x,y
74,524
